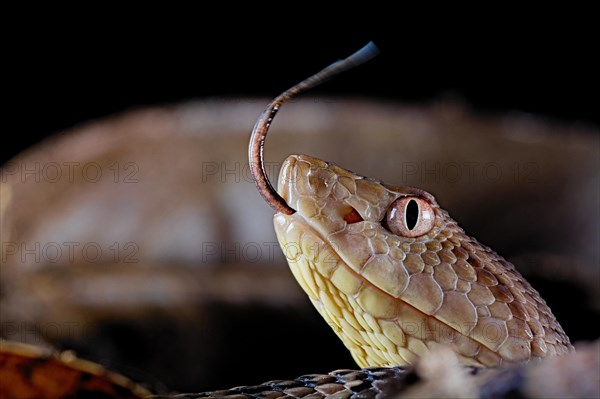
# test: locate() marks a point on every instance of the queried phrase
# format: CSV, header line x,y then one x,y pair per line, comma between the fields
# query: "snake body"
x,y
340,384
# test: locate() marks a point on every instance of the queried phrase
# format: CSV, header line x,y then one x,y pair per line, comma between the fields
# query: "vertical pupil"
x,y
411,214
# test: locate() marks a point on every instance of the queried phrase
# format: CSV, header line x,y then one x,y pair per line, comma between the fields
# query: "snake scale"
x,y
392,274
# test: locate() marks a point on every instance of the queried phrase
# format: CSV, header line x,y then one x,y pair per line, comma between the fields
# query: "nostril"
x,y
352,217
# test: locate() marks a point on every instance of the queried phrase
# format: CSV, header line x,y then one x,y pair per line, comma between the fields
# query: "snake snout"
x,y
300,176
320,192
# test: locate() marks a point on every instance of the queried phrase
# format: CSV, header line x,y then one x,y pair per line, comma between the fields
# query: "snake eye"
x,y
410,217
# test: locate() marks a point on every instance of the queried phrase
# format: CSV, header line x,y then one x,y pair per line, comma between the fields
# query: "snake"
x,y
390,271
395,277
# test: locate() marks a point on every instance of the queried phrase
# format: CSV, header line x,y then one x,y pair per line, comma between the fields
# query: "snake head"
x,y
394,275
387,267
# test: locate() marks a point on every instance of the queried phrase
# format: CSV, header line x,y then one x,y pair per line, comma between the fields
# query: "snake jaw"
x,y
392,298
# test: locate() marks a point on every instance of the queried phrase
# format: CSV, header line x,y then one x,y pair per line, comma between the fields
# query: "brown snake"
x,y
391,272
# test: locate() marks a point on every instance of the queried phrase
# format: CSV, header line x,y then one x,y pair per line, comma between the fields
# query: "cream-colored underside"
x,y
379,330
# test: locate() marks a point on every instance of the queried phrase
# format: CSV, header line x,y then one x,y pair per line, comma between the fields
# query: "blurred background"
x,y
68,70
151,252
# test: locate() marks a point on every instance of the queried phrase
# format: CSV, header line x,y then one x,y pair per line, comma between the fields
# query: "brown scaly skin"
x,y
340,384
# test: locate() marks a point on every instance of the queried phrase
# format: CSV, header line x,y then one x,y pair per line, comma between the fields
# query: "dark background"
x,y
64,70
